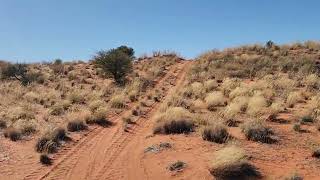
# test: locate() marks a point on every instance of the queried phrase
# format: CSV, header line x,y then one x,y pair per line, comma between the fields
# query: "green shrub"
x,y
116,62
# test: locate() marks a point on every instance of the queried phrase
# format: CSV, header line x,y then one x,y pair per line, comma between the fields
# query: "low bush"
x,y
293,98
232,163
257,131
306,119
215,99
118,101
12,133
99,117
296,127
47,145
76,125
45,159
215,133
174,127
3,124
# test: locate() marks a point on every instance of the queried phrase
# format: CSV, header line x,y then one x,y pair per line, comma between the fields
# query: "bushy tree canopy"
x,y
116,63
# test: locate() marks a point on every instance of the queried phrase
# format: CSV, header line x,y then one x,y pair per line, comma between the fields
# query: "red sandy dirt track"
x,y
99,154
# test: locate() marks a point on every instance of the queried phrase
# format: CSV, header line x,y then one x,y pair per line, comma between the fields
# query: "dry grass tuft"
x,y
12,133
217,133
174,120
118,101
256,130
215,99
293,98
232,163
256,105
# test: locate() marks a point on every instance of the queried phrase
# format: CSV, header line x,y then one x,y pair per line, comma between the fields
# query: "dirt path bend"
x,y
95,154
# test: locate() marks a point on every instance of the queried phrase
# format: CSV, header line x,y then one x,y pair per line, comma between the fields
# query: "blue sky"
x,y
38,30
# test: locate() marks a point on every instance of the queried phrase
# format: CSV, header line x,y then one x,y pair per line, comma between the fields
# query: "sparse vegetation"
x,y
232,163
215,133
76,125
256,130
12,133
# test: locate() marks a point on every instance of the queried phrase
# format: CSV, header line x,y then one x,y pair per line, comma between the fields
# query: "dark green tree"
x,y
116,63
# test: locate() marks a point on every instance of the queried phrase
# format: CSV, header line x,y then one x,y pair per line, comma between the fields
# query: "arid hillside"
x,y
250,112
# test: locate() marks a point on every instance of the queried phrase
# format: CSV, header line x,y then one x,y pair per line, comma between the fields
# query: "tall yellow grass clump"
x,y
215,99
312,81
118,101
228,85
174,120
238,105
293,98
197,89
210,85
256,105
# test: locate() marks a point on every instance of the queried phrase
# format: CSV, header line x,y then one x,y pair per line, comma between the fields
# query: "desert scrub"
x,y
99,117
26,126
296,127
210,85
76,97
306,119
293,98
215,99
256,130
3,124
256,105
96,104
238,105
312,81
45,159
175,120
232,163
217,133
59,108
50,140
197,90
12,133
118,101
228,85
